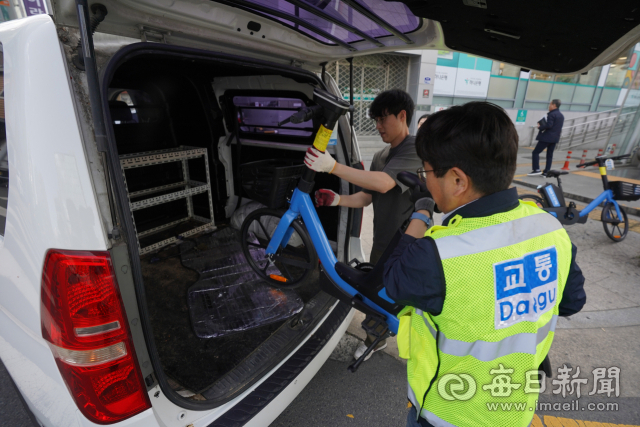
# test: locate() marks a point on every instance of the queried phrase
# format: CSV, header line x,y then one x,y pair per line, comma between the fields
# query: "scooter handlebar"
x,y
411,180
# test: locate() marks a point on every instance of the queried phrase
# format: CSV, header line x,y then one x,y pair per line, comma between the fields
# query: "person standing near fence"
x,y
548,136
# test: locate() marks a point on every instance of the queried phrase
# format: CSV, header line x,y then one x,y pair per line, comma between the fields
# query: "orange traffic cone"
x,y
600,152
584,157
566,163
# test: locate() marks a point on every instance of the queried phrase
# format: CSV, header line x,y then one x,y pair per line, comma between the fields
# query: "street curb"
x,y
630,210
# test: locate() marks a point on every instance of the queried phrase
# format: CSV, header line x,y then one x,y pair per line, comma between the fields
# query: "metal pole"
x,y
352,109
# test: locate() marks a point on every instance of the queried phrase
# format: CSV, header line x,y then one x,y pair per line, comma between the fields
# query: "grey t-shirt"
x,y
392,208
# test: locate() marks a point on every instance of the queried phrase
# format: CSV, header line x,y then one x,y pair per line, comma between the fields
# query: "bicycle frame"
x,y
605,196
302,206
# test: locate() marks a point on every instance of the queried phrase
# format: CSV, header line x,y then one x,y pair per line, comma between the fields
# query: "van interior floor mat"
x,y
230,297
197,363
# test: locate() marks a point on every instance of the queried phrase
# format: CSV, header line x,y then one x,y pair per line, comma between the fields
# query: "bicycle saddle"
x,y
555,174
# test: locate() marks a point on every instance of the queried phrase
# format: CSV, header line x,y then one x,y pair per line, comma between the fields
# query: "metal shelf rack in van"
x,y
187,189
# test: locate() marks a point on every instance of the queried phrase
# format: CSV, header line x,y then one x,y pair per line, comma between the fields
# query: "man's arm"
x,y
357,200
573,296
550,120
413,274
370,180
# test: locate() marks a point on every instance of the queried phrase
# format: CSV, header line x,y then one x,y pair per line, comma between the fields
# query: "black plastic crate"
x,y
268,181
625,190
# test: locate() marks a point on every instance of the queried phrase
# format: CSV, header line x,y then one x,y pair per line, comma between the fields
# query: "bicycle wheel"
x,y
533,198
611,222
292,264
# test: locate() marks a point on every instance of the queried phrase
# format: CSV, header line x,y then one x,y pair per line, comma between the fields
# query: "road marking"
x,y
610,177
550,421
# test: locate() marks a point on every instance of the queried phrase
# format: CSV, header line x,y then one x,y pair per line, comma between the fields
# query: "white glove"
x,y
319,161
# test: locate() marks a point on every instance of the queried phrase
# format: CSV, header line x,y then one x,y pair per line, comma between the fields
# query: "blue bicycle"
x,y
286,256
614,218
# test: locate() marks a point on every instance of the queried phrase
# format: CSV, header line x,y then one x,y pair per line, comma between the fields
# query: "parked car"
x,y
122,300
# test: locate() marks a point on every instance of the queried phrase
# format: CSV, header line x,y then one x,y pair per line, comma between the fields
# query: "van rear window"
x,y
260,115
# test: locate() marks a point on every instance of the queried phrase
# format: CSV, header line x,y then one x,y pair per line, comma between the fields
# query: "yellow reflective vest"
x,y
505,275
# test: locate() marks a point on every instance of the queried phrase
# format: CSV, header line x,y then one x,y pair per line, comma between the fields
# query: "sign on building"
x,y
521,118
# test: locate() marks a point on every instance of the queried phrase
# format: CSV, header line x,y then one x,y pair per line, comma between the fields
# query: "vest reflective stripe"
x,y
435,420
412,397
496,236
488,350
426,322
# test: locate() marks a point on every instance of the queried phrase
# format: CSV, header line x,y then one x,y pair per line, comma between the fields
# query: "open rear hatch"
x,y
193,131
546,35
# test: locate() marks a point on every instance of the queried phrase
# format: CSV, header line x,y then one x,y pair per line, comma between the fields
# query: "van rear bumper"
x,y
281,387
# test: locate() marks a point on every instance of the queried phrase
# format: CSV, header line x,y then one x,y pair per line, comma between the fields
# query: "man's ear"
x,y
402,116
462,182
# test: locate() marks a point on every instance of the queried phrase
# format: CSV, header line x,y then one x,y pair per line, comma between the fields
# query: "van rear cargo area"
x,y
196,363
187,129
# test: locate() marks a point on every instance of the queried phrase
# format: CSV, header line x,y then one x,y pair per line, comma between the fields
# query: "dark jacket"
x,y
551,131
413,274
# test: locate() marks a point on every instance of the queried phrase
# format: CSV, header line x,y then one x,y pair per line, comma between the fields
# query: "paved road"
x,y
12,412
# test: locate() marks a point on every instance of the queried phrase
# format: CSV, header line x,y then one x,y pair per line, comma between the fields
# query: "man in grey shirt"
x,y
392,208
392,111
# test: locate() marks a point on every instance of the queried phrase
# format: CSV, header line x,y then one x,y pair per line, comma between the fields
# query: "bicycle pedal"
x,y
374,326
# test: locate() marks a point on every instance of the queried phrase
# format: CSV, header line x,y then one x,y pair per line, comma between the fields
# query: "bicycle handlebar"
x,y
602,159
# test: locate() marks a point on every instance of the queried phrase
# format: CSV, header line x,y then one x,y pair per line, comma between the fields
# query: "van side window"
x,y
4,158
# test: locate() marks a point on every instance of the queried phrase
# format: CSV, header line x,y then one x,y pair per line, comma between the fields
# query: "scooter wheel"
x,y
616,228
292,264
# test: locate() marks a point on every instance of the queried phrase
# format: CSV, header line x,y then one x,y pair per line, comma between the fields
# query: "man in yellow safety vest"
x,y
484,289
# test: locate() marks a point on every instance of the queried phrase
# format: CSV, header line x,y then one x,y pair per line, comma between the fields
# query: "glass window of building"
x,y
567,78
617,72
539,75
591,77
503,69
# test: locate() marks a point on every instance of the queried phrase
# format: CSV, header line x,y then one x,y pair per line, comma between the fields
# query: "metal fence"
x,y
372,74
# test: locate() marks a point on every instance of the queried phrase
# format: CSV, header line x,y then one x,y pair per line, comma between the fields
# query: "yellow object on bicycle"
x,y
322,138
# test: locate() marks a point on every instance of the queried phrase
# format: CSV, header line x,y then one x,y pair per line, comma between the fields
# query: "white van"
x,y
123,296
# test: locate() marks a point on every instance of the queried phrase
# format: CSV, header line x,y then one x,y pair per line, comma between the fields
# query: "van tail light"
x,y
83,320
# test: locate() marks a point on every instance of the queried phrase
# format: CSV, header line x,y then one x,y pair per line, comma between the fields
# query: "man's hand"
x,y
425,204
421,198
319,161
327,198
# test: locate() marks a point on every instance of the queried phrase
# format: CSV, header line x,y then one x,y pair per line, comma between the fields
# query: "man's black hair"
x,y
556,102
477,137
424,116
392,102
